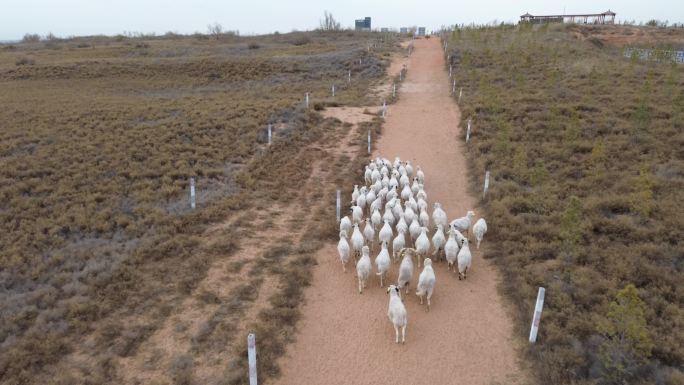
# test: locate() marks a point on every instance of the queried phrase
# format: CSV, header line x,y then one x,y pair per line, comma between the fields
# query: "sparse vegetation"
x,y
31,38
585,150
100,244
328,23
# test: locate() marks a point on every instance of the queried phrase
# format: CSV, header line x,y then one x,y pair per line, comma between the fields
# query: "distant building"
x,y
384,29
403,30
363,24
421,31
607,17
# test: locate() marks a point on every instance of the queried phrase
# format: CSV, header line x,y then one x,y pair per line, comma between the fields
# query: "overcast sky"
x,y
110,17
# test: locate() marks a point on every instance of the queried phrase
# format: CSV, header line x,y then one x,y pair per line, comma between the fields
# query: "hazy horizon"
x,y
97,17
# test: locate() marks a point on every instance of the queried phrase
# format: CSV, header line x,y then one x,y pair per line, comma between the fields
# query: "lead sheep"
x,y
396,313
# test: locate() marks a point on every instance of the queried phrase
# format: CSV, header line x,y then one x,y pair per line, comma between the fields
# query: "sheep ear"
x,y
396,289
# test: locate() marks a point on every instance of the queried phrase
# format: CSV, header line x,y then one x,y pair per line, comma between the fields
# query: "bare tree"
x,y
328,23
215,30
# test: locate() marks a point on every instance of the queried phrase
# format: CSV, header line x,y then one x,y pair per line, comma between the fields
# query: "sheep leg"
x,y
396,333
403,334
429,294
360,287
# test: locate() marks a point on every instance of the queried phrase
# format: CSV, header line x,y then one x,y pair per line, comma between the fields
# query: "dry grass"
x,y
585,149
99,139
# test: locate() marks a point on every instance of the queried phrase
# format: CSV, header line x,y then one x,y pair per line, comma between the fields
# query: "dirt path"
x,y
467,338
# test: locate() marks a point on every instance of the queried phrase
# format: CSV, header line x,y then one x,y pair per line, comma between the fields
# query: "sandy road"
x,y
467,338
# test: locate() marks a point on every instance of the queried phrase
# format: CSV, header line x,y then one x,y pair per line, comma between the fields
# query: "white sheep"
x,y
357,241
369,233
421,193
376,218
438,241
355,193
426,282
357,214
361,199
414,231
363,268
422,244
439,216
397,313
375,175
464,260
414,186
343,250
451,249
386,233
422,204
383,262
368,175
370,198
406,192
397,210
409,214
479,229
424,218
463,223
345,224
412,203
401,224
406,268
405,182
388,216
409,169
398,243
420,175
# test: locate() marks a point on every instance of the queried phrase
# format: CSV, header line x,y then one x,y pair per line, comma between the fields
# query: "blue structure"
x,y
363,24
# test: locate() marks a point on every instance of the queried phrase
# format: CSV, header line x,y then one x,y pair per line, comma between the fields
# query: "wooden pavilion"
x,y
607,17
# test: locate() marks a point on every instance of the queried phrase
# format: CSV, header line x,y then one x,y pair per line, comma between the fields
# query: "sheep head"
x,y
392,288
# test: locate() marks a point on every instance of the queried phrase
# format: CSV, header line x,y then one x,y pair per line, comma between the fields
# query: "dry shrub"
x,y
580,201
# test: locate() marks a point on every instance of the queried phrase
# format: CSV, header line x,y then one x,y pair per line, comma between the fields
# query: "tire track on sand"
x,y
467,337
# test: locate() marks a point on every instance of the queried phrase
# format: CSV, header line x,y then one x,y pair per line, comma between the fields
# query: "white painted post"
x,y
450,70
333,90
401,72
453,87
359,61
460,93
307,100
394,90
251,358
270,134
369,142
192,193
537,315
486,185
384,108
468,132
338,207
349,76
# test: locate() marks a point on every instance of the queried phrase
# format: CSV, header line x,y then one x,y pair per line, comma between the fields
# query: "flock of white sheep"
x,y
394,201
